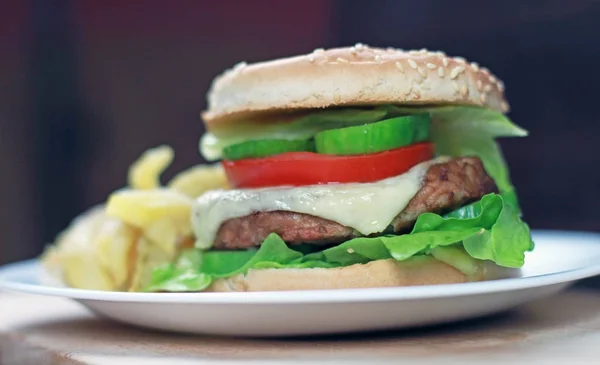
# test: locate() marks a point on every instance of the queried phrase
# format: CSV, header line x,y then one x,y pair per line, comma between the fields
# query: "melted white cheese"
x,y
366,207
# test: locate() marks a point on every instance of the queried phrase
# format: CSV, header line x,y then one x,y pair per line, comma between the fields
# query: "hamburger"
x,y
354,167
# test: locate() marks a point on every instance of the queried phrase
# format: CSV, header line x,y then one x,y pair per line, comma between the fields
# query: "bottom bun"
x,y
424,270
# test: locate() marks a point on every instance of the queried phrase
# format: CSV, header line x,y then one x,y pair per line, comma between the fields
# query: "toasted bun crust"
x,y
351,76
375,274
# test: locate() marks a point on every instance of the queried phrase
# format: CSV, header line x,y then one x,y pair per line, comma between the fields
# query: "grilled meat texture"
x,y
446,186
294,228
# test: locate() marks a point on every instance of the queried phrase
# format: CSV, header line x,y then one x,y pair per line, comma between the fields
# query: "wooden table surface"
x,y
561,329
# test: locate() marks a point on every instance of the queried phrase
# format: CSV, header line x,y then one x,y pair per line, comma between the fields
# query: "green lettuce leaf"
x,y
472,131
456,256
489,245
487,230
195,269
273,249
502,237
182,276
355,251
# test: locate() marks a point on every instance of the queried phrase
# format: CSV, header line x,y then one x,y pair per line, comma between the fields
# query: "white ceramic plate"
x,y
560,258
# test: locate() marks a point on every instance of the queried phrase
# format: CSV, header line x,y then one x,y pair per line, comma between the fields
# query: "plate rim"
x,y
311,296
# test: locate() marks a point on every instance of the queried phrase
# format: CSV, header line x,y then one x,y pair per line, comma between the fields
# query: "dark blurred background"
x,y
86,86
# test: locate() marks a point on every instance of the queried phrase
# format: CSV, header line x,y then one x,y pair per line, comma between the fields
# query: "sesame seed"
x,y
441,72
500,85
483,98
487,88
460,60
311,58
479,85
414,52
318,50
493,79
431,66
239,66
464,91
337,98
445,62
475,66
409,89
377,58
412,63
456,71
485,70
342,60
359,46
440,54
422,71
350,250
416,95
455,86
399,66
423,50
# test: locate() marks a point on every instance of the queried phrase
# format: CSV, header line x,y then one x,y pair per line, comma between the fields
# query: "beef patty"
x,y
446,186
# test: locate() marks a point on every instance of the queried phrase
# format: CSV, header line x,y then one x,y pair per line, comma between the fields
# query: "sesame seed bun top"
x,y
351,76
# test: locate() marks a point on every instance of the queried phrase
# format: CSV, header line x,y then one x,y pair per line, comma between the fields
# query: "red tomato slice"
x,y
308,168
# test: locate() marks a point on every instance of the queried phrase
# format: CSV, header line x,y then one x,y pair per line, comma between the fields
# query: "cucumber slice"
x,y
375,137
266,147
